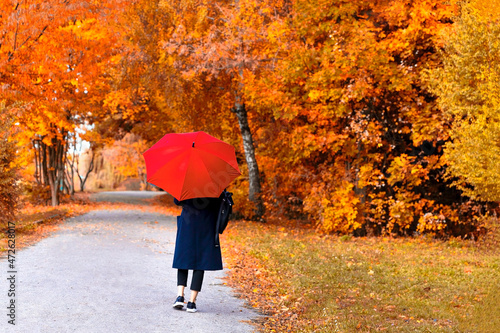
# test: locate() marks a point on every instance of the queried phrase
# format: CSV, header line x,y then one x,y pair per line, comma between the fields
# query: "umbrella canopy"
x,y
191,165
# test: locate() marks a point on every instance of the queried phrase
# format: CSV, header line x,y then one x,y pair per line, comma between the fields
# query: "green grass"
x,y
342,284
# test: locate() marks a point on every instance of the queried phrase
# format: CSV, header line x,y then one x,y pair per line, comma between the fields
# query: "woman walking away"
x,y
195,246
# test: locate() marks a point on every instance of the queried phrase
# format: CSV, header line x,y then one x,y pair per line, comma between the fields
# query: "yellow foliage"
x,y
402,210
468,87
405,169
340,210
486,10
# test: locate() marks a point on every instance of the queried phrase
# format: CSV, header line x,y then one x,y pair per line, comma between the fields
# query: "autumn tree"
x,y
345,128
52,60
20,37
468,86
356,137
8,187
198,54
335,120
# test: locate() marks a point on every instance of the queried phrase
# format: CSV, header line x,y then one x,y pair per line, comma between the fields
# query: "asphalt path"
x,y
111,271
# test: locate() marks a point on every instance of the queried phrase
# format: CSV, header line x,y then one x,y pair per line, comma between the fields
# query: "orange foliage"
x,y
356,136
345,130
52,62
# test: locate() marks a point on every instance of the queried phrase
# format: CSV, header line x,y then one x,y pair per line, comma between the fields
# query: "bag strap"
x,y
217,226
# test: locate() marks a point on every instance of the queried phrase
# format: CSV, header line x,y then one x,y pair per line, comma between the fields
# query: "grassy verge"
x,y
36,222
305,282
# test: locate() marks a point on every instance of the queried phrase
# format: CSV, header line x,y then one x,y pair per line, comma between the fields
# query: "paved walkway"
x,y
110,271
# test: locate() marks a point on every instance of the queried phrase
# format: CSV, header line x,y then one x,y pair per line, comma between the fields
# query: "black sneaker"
x,y
179,302
191,307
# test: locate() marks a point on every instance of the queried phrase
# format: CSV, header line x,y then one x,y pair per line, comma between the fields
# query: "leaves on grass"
x,y
365,284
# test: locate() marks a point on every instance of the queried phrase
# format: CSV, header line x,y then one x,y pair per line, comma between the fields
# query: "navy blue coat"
x,y
195,242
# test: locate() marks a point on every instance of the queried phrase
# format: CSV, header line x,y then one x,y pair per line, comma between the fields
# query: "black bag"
x,y
226,208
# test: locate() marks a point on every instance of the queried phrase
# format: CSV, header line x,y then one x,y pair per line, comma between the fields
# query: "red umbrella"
x,y
191,165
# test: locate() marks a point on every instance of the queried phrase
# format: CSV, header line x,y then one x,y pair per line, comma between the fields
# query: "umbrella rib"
x,y
157,176
211,174
189,166
225,162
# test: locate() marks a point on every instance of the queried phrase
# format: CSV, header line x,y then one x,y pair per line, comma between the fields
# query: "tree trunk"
x,y
69,177
52,180
253,168
38,176
89,170
54,164
68,187
54,194
45,176
144,180
71,183
50,162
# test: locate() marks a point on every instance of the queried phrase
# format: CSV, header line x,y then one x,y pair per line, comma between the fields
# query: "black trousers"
x,y
196,281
